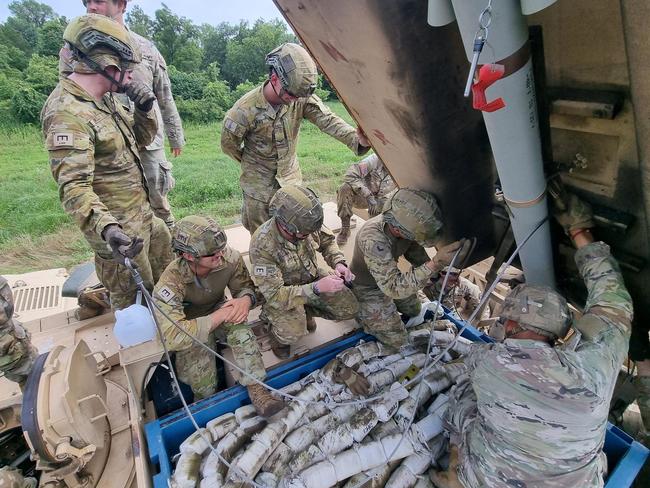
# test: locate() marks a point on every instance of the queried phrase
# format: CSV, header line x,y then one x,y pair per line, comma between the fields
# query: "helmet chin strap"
x,y
98,69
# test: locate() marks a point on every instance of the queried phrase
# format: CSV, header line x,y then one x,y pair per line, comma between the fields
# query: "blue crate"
x,y
165,435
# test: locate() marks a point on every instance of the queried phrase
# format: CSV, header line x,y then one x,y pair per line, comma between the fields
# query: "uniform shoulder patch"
x,y
234,127
165,294
63,140
263,270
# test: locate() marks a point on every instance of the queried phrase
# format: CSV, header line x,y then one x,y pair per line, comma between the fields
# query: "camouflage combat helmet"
x,y
198,236
298,209
539,309
295,69
100,42
415,213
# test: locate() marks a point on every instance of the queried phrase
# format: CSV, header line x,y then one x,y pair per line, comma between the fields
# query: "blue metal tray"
x,y
625,456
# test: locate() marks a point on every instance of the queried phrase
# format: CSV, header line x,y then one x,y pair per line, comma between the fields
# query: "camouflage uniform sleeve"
x,y
70,147
416,254
389,278
331,124
145,126
240,283
609,304
267,276
162,88
328,247
169,294
354,177
17,354
233,131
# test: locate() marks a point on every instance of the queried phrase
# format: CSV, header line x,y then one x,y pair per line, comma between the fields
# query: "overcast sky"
x,y
200,11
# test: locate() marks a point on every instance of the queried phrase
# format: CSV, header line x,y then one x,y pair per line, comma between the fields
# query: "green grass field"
x,y
35,233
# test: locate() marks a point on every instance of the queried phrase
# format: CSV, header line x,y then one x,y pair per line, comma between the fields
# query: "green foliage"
x,y
188,86
33,12
49,37
42,73
12,60
172,34
139,22
26,104
242,89
245,57
189,57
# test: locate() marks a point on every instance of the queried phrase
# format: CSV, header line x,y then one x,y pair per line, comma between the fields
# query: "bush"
x,y
26,104
242,89
187,85
42,73
199,111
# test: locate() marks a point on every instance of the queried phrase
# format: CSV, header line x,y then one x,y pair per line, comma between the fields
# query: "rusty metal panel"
x,y
402,80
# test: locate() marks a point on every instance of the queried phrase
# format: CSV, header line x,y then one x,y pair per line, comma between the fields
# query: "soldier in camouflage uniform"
x,y
92,142
17,354
260,131
366,184
193,286
461,296
411,221
532,414
152,71
285,268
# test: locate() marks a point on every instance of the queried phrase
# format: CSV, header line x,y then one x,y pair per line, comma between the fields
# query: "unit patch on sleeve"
x,y
166,294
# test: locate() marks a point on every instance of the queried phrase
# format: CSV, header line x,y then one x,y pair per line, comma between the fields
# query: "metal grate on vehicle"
x,y
32,298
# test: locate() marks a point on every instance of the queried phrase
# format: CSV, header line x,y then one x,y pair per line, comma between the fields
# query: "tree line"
x,y
210,66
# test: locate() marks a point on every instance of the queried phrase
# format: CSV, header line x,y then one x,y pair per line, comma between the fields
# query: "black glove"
x,y
141,95
121,244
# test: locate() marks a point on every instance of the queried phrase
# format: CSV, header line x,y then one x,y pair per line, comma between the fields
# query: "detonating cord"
x,y
149,301
485,297
429,363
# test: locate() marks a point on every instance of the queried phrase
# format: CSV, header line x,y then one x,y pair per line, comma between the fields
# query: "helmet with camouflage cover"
x,y
99,42
539,309
298,209
198,236
295,69
415,213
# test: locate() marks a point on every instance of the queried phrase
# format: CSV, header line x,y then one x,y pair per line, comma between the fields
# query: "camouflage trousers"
x,y
379,314
197,367
158,173
17,355
253,213
346,200
151,262
290,325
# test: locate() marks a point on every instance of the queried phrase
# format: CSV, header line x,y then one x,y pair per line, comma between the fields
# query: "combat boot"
x,y
265,404
282,351
343,236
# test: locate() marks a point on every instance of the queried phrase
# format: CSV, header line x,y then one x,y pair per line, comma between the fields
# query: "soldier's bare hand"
x,y
218,317
239,308
330,284
342,271
176,151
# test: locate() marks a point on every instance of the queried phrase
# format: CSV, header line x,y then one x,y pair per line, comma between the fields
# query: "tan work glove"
x,y
446,254
569,210
353,380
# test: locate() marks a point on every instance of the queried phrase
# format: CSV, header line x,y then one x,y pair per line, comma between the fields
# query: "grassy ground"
x,y
35,233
